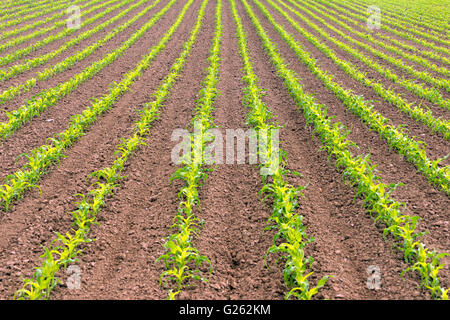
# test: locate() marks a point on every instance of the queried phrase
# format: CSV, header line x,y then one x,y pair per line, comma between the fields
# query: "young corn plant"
x,y
22,18
438,49
47,98
358,171
389,95
411,32
13,9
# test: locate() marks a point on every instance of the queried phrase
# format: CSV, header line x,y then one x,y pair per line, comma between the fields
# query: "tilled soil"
x,y
32,222
396,37
421,198
46,24
133,225
346,242
54,32
418,67
55,119
78,67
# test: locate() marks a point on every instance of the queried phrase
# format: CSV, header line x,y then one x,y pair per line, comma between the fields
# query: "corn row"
x,y
54,7
10,6
181,259
285,204
423,23
420,25
57,256
16,31
411,31
367,35
396,137
14,4
404,35
430,94
61,66
13,56
27,65
47,98
37,33
389,95
425,76
343,15
14,11
360,173
42,158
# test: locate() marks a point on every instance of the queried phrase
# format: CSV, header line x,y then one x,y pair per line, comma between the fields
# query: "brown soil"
x,y
41,17
137,218
401,39
41,26
121,264
421,198
400,72
42,49
35,133
32,222
18,101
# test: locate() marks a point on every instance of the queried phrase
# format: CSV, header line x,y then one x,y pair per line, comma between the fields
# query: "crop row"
x,y
343,15
398,140
54,6
40,159
422,75
431,94
404,35
181,259
368,36
10,5
13,56
17,10
80,55
420,21
65,248
360,173
417,113
409,31
422,24
34,25
284,217
47,98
